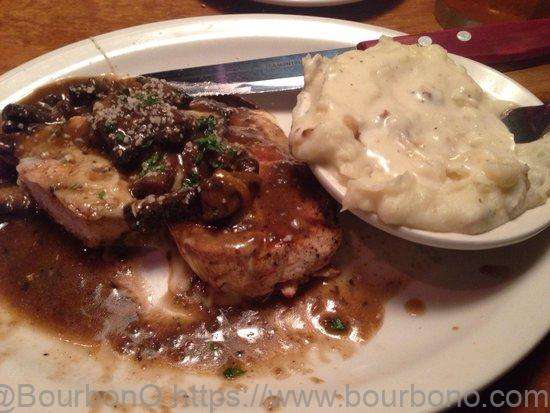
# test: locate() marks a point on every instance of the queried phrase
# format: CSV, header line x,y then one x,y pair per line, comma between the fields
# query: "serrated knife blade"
x,y
270,74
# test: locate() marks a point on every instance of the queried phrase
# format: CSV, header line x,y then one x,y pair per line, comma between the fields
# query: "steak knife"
x,y
492,45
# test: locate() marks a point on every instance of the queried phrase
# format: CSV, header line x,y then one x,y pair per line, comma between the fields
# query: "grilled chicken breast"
x,y
79,188
85,195
286,235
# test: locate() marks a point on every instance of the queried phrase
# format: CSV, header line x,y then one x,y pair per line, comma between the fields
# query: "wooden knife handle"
x,y
493,44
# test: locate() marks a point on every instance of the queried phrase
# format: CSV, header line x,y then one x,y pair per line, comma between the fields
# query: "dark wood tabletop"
x,y
29,28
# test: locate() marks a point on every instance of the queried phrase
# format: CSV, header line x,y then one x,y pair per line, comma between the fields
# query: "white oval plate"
x,y
307,3
499,321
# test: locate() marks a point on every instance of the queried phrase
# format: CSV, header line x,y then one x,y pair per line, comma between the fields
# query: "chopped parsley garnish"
x,y
217,164
210,143
155,163
192,180
214,347
337,324
102,194
147,100
232,152
206,125
232,372
119,136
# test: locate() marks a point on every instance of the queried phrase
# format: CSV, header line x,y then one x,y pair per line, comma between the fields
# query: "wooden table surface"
x,y
29,28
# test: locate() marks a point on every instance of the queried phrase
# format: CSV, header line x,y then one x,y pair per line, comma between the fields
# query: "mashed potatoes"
x,y
416,140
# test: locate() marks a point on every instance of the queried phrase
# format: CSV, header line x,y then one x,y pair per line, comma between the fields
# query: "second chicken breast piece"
x,y
82,192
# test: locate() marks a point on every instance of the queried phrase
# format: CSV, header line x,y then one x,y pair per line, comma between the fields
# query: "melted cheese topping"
x,y
416,140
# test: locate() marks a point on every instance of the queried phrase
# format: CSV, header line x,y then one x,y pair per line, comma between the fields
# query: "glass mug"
x,y
453,13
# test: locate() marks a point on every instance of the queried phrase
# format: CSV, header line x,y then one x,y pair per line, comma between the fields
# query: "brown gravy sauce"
x,y
93,297
415,307
89,298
